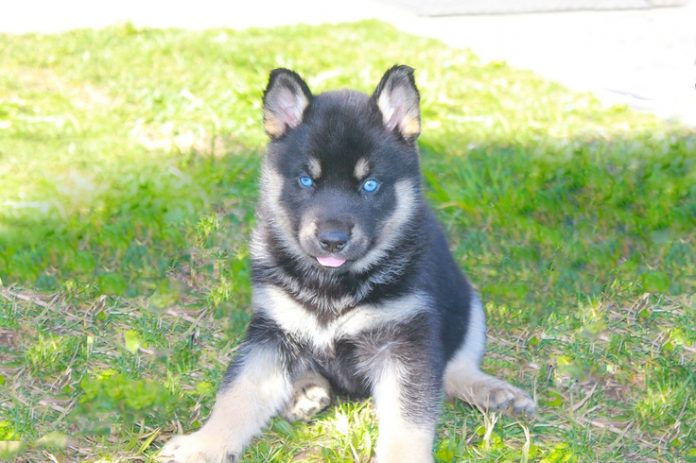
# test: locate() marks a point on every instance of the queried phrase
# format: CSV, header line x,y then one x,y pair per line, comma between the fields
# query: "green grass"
x,y
128,166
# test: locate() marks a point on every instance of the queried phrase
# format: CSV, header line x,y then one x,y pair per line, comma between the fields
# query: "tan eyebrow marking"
x,y
314,168
362,168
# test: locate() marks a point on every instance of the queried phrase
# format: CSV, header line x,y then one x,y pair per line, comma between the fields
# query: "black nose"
x,y
332,240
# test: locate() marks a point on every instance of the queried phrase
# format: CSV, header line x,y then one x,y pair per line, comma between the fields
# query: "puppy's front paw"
x,y
196,448
310,398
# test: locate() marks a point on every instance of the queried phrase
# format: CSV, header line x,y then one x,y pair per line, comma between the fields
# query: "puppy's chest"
x,y
324,336
316,332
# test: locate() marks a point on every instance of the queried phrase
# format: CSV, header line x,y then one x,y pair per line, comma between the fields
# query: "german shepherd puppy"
x,y
354,287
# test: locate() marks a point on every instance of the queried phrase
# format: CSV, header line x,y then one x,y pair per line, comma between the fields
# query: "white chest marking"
x,y
297,321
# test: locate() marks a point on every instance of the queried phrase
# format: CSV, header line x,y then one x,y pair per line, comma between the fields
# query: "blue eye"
x,y
370,185
305,181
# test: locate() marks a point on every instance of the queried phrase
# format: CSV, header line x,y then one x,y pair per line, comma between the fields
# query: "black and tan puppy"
x,y
355,290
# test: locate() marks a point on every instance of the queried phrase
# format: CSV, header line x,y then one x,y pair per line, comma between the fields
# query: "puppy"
x,y
355,291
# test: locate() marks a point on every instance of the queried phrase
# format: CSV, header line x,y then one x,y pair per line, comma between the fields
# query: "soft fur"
x,y
355,290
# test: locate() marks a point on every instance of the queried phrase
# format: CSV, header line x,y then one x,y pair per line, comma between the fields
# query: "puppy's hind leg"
x,y
311,394
464,379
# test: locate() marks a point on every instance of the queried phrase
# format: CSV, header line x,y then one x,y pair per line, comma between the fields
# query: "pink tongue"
x,y
331,261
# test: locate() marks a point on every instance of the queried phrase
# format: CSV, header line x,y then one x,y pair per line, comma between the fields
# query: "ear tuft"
x,y
284,101
398,100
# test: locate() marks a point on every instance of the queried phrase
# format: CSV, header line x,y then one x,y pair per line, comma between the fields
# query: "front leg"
x,y
407,392
257,385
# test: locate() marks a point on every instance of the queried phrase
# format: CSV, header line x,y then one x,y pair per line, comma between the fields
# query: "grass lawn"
x,y
128,169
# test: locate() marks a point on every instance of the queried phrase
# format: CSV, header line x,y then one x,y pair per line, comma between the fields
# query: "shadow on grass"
x,y
543,225
140,233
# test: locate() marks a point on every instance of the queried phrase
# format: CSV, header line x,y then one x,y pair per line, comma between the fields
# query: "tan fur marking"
x,y
410,127
271,191
362,168
273,126
405,207
314,168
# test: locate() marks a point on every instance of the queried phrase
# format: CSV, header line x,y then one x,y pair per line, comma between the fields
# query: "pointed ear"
x,y
284,102
398,99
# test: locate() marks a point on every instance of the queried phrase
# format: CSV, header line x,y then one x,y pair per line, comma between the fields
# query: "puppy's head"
x,y
341,175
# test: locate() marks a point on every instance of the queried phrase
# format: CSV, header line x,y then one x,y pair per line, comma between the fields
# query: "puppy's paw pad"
x,y
307,402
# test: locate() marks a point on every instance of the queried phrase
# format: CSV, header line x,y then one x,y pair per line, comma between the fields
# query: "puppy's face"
x,y
341,175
